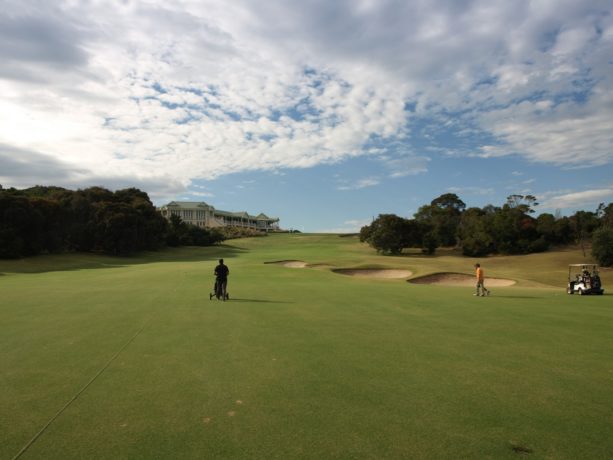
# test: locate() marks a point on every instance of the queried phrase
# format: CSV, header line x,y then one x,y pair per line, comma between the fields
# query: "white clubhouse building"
x,y
202,214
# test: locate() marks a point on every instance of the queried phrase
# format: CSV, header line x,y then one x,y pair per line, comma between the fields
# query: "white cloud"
x,y
402,165
349,226
481,191
359,184
177,91
202,194
574,200
564,134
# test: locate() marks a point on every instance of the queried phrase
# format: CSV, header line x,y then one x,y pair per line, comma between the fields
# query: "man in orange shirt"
x,y
481,289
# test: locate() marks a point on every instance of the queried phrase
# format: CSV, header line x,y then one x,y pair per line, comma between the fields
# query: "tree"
x,y
20,226
602,246
52,230
583,224
450,202
605,214
151,227
524,203
564,232
365,233
80,220
12,223
204,236
177,234
116,228
389,234
511,228
546,227
443,215
474,232
50,219
429,243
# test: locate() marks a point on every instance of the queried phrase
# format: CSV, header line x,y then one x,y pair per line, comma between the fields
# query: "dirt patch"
x,y
384,273
459,279
289,263
519,449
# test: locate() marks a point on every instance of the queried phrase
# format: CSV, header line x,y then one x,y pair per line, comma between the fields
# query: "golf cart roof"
x,y
582,265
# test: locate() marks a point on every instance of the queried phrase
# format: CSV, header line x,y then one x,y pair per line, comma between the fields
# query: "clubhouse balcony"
x,y
202,214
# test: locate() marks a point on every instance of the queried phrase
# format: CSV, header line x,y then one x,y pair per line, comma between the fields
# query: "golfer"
x,y
481,289
221,279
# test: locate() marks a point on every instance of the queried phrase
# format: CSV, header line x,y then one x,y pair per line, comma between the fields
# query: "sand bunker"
x,y
459,279
386,273
290,263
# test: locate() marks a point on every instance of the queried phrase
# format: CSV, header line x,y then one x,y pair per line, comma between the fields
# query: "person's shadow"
x,y
516,296
234,299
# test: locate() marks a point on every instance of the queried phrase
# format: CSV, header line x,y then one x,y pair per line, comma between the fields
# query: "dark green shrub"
x,y
602,246
429,243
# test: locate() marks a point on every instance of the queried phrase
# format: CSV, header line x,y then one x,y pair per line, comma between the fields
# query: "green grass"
x,y
301,363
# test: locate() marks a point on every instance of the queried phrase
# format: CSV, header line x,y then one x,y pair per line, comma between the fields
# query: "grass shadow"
x,y
258,300
516,296
87,261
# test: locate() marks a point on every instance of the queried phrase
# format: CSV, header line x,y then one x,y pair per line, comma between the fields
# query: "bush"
x,y
198,236
602,246
477,246
229,233
387,234
539,245
365,233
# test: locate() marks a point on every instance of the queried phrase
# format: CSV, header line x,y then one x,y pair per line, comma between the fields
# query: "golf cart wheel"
x,y
581,292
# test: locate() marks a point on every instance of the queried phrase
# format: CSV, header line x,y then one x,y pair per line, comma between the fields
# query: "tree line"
x,y
53,219
507,229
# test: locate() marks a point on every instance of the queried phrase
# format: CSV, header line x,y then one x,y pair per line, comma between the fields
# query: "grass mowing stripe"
x,y
74,398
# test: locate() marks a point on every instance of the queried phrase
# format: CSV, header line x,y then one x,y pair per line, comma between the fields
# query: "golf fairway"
x,y
128,358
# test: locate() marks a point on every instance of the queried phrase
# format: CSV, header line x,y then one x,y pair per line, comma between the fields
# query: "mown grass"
x,y
301,363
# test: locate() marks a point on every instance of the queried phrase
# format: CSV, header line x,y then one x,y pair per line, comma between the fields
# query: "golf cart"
x,y
583,279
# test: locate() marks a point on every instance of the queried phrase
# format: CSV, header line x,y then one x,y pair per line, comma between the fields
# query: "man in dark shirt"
x,y
221,280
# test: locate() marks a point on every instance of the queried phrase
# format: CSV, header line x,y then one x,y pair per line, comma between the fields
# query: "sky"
x,y
323,113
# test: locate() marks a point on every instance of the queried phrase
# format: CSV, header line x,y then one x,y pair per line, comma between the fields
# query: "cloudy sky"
x,y
323,113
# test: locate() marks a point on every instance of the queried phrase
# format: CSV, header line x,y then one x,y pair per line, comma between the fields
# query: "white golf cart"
x,y
583,279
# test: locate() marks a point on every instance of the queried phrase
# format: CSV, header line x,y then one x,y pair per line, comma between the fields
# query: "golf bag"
x,y
218,291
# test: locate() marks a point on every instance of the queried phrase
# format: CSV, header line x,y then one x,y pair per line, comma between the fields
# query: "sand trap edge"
x,y
375,273
459,279
289,263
